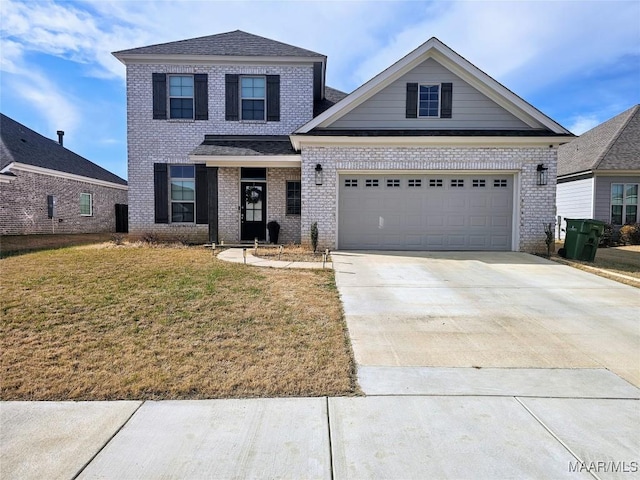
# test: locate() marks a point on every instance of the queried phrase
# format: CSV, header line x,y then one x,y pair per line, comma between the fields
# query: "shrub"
x,y
606,240
630,234
314,236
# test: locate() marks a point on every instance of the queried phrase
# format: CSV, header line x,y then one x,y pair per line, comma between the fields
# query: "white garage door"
x,y
425,212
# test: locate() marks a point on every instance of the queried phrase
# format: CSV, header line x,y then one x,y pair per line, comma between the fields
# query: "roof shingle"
x,y
236,43
241,145
612,145
23,145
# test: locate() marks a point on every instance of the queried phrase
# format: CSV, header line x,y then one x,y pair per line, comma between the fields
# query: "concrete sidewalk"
x,y
235,255
450,423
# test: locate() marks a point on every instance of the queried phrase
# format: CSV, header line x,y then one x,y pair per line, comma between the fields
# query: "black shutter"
x,y
412,100
201,94
202,196
161,192
232,100
273,98
446,90
159,96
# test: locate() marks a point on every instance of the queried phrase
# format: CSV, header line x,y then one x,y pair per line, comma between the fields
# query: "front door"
x,y
253,223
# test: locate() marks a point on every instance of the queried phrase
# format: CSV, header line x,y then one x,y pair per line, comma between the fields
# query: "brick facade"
x,y
23,205
170,141
536,204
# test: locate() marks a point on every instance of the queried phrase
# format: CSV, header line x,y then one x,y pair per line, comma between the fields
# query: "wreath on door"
x,y
253,194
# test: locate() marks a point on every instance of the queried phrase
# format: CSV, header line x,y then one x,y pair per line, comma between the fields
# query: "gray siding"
x,y
575,200
471,109
602,209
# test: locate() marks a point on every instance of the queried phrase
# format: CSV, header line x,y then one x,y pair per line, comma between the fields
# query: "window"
x,y
183,193
435,182
393,182
181,96
371,182
252,98
624,203
86,205
351,182
479,183
293,198
499,183
429,101
457,183
414,182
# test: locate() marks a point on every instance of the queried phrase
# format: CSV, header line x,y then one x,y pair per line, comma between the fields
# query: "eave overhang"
x,y
298,141
57,173
255,161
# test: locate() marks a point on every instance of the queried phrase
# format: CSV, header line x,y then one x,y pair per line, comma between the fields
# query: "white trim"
x,y
7,178
260,161
434,48
428,141
56,173
181,59
616,173
90,214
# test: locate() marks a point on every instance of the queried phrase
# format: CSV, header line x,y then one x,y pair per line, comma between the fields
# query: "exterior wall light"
x,y
318,174
542,176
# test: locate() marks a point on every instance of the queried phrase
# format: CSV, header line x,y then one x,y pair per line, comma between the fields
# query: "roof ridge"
x,y
614,138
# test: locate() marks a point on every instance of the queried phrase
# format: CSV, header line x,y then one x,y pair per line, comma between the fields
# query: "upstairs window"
x,y
624,203
429,101
181,96
253,98
183,193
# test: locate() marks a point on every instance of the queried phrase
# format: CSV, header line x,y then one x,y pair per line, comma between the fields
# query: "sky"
x,y
576,61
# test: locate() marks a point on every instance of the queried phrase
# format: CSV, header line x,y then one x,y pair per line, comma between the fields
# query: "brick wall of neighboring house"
x,y
23,205
536,204
170,141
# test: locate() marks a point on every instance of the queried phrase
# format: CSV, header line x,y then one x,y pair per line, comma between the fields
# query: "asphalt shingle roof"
x,y
23,145
236,43
240,145
612,145
331,97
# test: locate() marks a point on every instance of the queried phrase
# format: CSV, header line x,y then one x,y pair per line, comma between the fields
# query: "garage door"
x,y
425,212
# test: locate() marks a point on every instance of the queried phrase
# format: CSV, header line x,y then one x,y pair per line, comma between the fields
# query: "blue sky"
x,y
576,61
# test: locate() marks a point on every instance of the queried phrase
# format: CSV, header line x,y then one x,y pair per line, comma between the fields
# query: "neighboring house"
x,y
599,172
231,131
45,188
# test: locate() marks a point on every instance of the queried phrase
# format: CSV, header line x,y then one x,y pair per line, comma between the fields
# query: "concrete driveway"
x,y
485,310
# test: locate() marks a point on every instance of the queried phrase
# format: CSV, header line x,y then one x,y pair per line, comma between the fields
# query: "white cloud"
x,y
585,123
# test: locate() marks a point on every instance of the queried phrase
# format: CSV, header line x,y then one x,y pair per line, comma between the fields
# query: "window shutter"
x,y
446,91
232,99
201,94
273,98
412,100
202,195
159,96
161,192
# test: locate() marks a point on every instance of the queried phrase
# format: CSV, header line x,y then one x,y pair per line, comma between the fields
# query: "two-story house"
x,y
229,132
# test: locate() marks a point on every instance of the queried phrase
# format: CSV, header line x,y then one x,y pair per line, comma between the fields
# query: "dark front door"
x,y
253,221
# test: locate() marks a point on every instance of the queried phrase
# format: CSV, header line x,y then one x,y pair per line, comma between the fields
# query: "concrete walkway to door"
x,y
487,310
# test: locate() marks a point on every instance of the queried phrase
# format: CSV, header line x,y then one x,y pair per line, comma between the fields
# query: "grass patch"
x,y
19,244
290,253
88,323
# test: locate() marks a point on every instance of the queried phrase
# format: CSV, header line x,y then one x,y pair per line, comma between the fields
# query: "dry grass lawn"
x,y
290,253
98,323
18,244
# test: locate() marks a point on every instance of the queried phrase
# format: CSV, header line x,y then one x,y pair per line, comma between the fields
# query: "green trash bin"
x,y
582,238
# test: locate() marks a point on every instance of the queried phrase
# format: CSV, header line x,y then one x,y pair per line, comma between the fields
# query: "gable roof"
x,y
612,145
22,145
229,44
434,48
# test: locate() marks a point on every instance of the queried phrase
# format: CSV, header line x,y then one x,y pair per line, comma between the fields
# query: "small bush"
x,y
606,240
117,239
630,234
150,238
314,236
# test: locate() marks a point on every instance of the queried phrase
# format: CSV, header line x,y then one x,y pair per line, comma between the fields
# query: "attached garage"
x,y
425,211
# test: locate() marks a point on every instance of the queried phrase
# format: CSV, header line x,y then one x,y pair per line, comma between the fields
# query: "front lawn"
x,y
98,323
